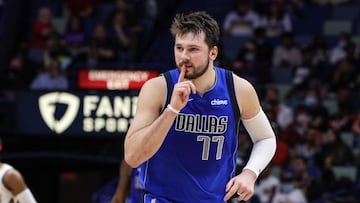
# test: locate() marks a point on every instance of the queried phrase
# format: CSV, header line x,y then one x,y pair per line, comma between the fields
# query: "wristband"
x,y
173,109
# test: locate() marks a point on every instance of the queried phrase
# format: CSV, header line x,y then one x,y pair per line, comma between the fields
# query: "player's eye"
x,y
178,48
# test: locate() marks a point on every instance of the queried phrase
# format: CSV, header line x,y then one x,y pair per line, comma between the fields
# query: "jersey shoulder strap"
x,y
232,94
170,87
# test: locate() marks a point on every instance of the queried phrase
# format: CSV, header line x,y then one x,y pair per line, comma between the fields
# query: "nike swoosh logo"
x,y
190,99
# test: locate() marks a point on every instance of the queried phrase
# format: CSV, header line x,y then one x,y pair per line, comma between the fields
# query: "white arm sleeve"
x,y
25,197
263,137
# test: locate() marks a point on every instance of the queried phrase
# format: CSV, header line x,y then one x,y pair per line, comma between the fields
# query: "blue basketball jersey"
x,y
198,156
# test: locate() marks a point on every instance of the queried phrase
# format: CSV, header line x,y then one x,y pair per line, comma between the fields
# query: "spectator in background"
x,y
295,132
338,51
355,129
276,20
345,105
55,50
339,122
320,48
303,171
151,11
325,185
74,35
18,74
303,73
263,55
311,145
287,54
263,46
282,153
282,114
245,64
341,119
121,6
41,29
242,20
51,79
288,192
128,21
352,54
121,36
344,75
266,185
317,111
133,14
296,8
83,8
254,58
334,151
100,48
306,77
282,150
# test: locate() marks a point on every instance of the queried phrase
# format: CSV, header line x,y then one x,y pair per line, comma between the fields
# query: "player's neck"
x,y
206,81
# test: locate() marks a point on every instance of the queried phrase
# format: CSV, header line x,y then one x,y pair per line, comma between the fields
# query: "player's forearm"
x,y
142,144
262,134
261,155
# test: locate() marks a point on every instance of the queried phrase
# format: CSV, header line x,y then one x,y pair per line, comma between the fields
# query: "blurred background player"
x,y
128,188
12,185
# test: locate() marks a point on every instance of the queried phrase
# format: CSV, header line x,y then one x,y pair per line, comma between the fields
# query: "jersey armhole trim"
x,y
232,94
170,87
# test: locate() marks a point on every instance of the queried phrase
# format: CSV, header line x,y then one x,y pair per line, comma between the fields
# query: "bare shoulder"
x,y
152,94
13,175
247,97
14,181
154,89
157,83
243,86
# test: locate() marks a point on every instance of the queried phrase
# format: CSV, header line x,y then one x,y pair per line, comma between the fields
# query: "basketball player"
x,y
128,189
184,134
12,185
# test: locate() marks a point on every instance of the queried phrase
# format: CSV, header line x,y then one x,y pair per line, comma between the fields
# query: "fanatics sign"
x,y
75,113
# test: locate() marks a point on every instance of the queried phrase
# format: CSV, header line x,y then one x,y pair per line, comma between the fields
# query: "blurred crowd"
x,y
70,35
310,91
309,86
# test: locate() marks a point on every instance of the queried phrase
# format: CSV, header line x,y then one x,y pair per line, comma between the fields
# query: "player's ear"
x,y
214,52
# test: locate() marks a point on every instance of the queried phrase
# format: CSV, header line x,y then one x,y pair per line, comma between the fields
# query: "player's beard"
x,y
197,70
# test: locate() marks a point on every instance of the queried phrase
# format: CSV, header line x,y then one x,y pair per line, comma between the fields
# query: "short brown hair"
x,y
196,23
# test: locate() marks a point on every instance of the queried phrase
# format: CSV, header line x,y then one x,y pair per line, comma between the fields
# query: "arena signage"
x,y
74,113
114,79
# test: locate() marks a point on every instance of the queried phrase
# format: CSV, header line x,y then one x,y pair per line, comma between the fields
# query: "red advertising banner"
x,y
114,79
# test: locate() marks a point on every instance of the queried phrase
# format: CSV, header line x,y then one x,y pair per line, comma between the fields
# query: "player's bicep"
x,y
150,103
247,98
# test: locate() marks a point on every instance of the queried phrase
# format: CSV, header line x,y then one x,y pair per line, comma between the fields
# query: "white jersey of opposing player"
x,y
5,195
